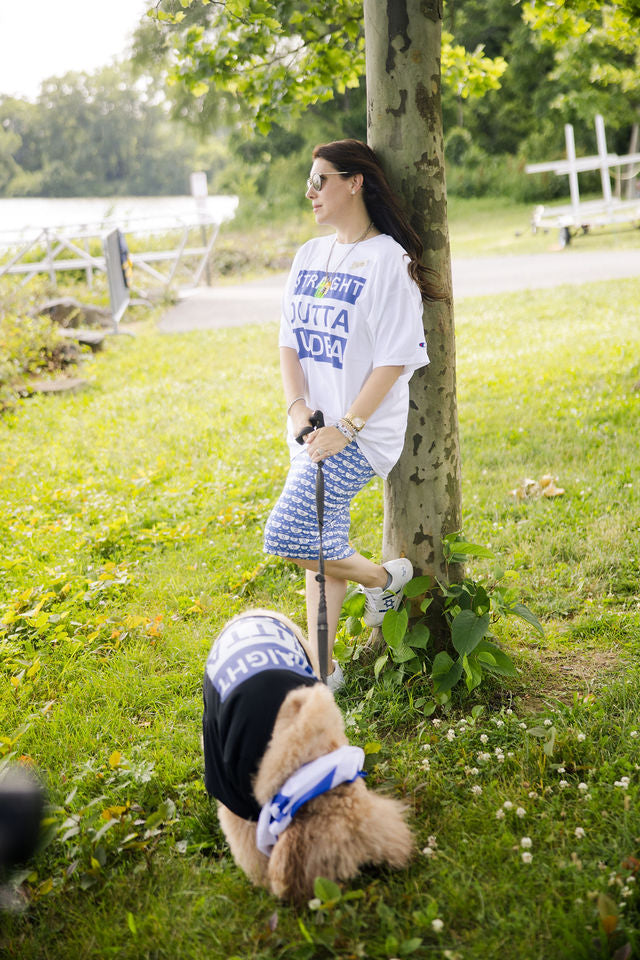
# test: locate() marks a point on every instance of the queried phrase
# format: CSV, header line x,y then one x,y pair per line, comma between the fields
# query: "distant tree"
x,y
596,58
100,134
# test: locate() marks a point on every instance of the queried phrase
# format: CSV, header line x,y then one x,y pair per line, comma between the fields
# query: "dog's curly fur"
x,y
332,835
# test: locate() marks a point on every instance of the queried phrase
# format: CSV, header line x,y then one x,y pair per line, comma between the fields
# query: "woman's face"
x,y
331,203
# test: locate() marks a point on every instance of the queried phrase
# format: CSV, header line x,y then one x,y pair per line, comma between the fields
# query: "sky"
x,y
45,38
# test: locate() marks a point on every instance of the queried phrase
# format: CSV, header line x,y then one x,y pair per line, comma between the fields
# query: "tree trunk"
x,y
404,122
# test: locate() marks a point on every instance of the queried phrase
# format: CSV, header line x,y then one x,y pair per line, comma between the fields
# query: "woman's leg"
x,y
337,572
335,590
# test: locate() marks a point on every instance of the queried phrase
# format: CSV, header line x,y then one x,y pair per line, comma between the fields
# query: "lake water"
x,y
22,218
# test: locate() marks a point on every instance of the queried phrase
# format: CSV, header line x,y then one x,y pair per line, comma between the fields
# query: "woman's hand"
x,y
325,442
300,417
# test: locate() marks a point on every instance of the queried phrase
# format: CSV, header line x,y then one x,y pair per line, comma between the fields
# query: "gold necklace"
x,y
325,284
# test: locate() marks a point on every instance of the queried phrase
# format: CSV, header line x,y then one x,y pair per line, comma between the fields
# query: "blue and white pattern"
x,y
292,527
343,765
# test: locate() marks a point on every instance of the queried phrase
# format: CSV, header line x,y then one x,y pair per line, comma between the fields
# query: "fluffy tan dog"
x,y
331,835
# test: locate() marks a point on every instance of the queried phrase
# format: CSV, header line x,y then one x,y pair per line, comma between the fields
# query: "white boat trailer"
x,y
582,215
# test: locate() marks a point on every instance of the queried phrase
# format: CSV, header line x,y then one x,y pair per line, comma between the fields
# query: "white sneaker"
x,y
378,599
335,680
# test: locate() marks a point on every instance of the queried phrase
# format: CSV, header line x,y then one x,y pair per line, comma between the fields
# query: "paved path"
x,y
259,301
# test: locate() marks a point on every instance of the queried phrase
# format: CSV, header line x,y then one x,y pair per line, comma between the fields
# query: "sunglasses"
x,y
316,180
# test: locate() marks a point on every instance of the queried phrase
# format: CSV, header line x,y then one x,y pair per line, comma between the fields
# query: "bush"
x,y
28,345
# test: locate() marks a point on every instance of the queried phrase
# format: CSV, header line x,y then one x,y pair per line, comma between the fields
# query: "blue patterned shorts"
x,y
292,527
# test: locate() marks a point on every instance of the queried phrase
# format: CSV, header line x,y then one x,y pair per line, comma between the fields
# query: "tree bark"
x,y
404,123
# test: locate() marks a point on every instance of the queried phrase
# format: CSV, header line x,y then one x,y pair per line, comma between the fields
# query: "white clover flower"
x,y
631,879
547,723
521,812
500,814
579,832
527,857
483,738
507,805
510,754
426,746
476,789
563,784
474,771
436,722
437,925
634,733
509,712
499,723
451,735
561,770
582,787
522,726
532,795
426,764
432,841
581,737
625,892
498,751
428,852
526,842
622,782
500,758
483,757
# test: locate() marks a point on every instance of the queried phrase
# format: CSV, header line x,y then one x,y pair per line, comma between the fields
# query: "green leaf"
x,y
481,602
418,586
394,626
502,664
166,811
353,626
418,637
473,672
103,829
402,653
379,664
537,731
409,946
353,605
459,550
467,630
445,673
326,890
524,613
391,945
374,746
131,923
303,930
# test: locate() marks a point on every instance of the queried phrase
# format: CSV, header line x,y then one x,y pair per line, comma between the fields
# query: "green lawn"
x,y
131,518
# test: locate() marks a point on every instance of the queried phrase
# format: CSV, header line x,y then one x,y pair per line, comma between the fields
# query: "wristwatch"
x,y
356,422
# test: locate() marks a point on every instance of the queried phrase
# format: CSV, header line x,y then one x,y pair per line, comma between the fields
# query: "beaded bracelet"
x,y
344,430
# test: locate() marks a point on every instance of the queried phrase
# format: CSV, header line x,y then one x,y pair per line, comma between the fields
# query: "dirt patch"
x,y
559,675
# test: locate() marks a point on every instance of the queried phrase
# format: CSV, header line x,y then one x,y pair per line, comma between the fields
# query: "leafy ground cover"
x,y
131,518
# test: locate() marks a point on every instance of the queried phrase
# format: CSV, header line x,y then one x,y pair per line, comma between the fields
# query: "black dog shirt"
x,y
251,668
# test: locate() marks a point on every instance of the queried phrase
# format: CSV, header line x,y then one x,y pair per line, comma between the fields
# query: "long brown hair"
x,y
354,156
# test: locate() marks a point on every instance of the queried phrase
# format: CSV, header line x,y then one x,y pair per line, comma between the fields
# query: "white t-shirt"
x,y
371,317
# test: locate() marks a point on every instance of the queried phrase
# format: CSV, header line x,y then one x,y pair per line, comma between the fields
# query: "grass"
x,y
495,226
131,518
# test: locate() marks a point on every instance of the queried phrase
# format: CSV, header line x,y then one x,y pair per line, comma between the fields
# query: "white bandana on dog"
x,y
343,765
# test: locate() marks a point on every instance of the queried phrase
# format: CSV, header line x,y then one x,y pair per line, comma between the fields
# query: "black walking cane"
x,y
317,420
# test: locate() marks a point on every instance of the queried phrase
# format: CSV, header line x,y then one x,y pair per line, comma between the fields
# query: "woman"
x,y
351,336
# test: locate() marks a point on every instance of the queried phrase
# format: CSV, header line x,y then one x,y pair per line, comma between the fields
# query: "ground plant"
x,y
131,519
